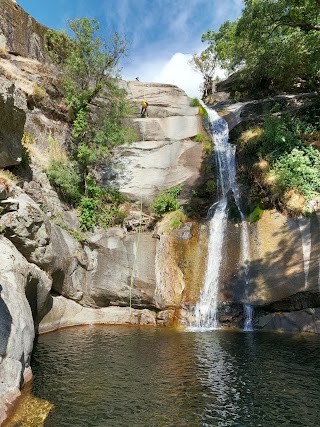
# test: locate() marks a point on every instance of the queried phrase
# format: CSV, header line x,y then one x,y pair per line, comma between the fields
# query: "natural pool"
x,y
147,377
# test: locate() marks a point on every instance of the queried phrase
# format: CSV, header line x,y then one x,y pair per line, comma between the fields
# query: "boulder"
x,y
24,290
123,265
27,228
13,107
307,320
180,264
65,312
284,258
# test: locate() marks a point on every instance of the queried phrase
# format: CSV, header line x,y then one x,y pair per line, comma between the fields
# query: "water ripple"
x,y
121,377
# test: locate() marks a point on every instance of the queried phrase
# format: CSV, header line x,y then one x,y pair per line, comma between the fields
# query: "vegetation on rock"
x,y
272,47
7,179
281,161
274,44
172,221
97,108
206,63
167,201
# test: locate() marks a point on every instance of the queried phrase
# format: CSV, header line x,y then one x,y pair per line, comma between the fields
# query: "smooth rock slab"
x,y
307,320
165,154
66,313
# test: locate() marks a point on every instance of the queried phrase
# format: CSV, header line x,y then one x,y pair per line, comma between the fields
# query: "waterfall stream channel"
x,y
118,376
206,310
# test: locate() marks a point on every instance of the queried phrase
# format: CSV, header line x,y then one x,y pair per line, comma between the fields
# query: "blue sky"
x,y
162,34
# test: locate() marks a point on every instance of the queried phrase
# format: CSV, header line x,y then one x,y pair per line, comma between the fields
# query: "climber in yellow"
x,y
144,106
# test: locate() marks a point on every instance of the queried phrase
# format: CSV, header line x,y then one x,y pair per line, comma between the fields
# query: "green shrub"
x,y
111,217
59,45
210,186
194,102
88,214
277,138
207,142
101,206
167,201
177,219
256,214
114,133
80,124
172,221
203,112
66,177
278,164
300,169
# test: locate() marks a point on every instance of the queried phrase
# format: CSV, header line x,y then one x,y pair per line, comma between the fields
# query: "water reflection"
x,y
219,373
116,376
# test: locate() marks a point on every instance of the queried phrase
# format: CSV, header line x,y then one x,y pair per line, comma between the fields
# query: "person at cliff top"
x,y
144,106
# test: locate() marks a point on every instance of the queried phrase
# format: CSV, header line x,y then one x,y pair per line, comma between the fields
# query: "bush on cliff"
x,y
167,201
89,70
281,161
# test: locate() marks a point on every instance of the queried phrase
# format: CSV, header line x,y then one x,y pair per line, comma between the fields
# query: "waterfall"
x,y
248,315
304,226
207,306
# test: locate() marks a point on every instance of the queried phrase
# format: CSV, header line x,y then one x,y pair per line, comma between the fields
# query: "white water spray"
x,y
207,306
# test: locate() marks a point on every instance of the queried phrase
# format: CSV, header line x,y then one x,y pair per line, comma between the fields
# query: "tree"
x,y
89,68
273,43
97,107
88,60
205,63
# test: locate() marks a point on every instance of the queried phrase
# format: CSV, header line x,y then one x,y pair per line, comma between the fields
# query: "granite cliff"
x,y
49,278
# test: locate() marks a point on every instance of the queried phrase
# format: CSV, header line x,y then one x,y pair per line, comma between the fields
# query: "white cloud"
x,y
177,71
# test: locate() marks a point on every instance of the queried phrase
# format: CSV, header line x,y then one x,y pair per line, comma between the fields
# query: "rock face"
x,y
165,154
13,107
20,33
247,113
65,312
284,270
24,289
111,269
285,258
49,278
286,273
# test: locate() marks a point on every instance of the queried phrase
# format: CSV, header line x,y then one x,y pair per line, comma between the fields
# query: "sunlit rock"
x,y
12,119
20,33
24,290
165,154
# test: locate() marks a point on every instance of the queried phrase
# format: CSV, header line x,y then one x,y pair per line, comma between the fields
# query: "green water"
x,y
132,377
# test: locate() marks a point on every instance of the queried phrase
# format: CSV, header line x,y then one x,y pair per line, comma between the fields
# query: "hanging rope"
x,y
139,233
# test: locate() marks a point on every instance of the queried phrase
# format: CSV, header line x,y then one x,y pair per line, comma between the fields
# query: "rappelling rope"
x,y
139,233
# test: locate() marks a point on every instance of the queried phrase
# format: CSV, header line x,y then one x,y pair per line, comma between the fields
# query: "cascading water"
x,y
304,226
206,307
